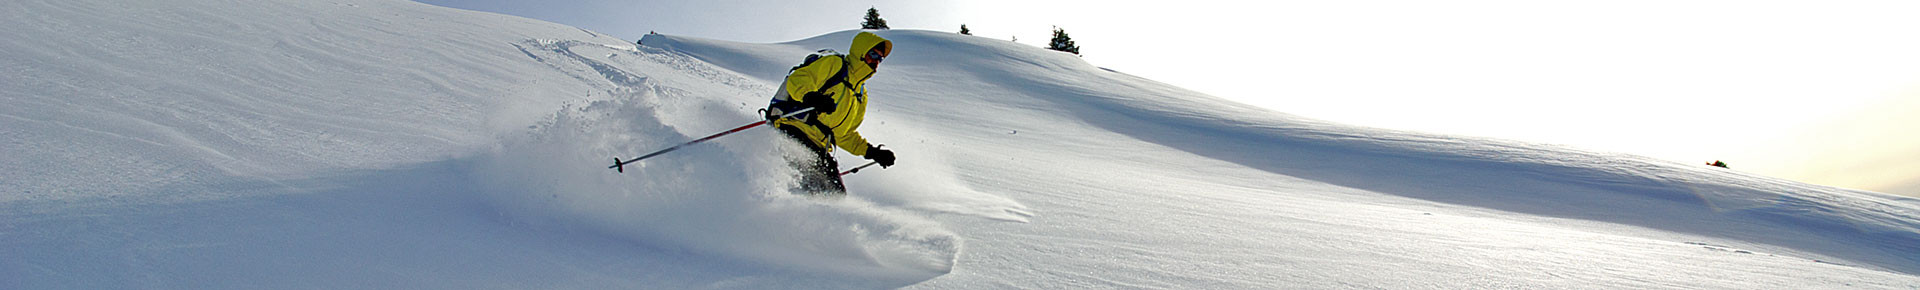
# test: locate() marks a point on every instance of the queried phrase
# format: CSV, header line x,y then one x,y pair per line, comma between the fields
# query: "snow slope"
x,y
390,144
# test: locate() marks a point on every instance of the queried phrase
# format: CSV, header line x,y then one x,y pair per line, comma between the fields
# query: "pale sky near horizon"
x,y
1825,92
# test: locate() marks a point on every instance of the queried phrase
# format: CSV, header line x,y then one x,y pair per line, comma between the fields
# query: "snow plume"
x,y
728,197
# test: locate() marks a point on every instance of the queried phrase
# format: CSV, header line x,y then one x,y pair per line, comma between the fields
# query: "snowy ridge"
x,y
1539,179
211,144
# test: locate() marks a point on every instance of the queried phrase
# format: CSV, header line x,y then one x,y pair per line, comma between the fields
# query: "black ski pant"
x,y
819,174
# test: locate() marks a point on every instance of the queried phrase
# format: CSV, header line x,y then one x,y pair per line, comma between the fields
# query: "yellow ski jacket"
x,y
850,95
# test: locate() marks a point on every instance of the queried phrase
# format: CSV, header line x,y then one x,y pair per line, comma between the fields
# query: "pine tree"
x,y
873,20
1063,43
964,31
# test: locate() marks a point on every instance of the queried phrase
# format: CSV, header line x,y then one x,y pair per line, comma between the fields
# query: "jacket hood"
x,y
862,43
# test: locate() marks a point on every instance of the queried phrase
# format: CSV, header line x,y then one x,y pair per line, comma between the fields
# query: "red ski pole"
x,y
620,166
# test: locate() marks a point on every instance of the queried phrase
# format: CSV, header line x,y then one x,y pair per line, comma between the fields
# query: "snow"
x,y
389,144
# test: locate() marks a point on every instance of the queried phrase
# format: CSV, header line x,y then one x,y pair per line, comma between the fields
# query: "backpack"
x,y
783,103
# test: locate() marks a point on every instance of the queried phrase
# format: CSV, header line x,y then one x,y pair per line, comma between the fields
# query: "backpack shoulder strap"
x,y
839,77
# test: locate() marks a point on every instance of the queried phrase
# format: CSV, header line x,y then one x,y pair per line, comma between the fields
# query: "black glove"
x,y
882,155
820,102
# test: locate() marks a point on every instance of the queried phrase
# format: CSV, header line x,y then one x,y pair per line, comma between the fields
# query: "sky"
x,y
1823,92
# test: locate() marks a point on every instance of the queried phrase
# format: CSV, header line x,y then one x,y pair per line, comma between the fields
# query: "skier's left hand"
x,y
881,155
821,102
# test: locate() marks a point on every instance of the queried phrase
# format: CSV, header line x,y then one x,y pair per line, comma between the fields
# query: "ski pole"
x,y
620,166
857,169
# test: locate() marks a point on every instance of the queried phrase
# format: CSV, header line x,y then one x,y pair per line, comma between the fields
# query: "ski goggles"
x,y
874,57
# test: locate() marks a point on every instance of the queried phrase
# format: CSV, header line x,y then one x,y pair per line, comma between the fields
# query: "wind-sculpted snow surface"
x,y
211,144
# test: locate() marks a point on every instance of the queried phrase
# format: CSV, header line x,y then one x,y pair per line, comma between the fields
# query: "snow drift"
x,y
387,144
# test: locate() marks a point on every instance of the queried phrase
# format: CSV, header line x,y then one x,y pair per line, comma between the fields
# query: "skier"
x,y
834,85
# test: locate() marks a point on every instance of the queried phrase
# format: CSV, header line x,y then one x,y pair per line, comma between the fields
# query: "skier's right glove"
x,y
820,102
881,155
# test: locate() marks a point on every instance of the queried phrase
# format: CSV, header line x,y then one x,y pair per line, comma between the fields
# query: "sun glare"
x,y
1810,91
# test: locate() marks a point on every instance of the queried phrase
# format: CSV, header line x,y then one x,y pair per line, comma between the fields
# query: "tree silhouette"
x,y
1063,43
873,20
